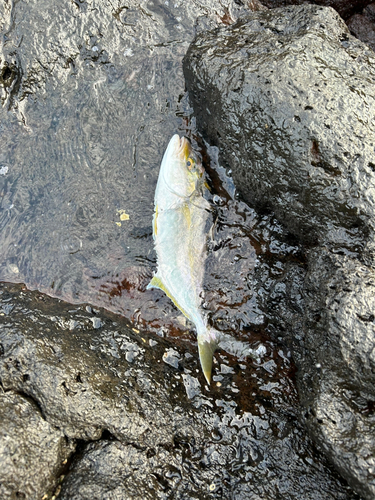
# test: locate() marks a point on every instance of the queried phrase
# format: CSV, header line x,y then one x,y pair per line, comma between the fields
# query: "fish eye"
x,y
190,163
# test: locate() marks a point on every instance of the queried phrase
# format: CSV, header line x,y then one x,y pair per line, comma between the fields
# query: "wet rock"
x,y
156,430
91,95
126,471
32,451
304,148
75,377
326,316
338,364
369,11
256,5
361,24
298,146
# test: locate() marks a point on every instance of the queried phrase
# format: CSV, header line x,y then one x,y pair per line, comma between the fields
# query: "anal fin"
x,y
156,282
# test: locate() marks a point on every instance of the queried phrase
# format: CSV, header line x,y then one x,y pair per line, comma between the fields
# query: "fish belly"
x,y
180,245
180,236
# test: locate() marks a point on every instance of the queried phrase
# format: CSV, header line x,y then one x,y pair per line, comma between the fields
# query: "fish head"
x,y
190,162
181,172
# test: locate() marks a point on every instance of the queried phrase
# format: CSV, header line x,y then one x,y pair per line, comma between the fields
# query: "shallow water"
x,y
88,109
91,95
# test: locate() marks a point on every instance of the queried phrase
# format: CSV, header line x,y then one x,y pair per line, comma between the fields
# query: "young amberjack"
x,y
181,222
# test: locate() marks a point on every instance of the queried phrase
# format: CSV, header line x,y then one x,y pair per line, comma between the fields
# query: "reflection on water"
x,y
99,95
82,139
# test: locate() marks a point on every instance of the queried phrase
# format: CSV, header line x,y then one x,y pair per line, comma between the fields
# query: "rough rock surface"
x,y
362,25
327,317
32,452
358,14
288,96
338,358
151,427
345,8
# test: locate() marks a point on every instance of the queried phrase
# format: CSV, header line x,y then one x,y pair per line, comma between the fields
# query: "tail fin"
x,y
207,345
210,339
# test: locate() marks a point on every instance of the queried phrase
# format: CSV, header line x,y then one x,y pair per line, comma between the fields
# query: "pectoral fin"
x,y
156,282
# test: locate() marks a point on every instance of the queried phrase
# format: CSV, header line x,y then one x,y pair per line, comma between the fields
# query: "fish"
x,y
181,223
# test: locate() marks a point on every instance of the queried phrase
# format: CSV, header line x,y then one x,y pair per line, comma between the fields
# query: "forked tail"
x,y
210,339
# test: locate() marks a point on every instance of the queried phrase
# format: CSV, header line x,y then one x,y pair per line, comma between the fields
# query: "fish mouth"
x,y
184,147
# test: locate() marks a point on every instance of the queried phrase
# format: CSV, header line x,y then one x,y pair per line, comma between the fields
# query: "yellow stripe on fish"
x,y
157,283
155,226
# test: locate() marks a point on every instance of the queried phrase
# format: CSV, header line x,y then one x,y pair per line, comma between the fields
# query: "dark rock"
x,y
116,470
75,377
288,96
336,354
32,451
161,433
369,12
327,318
345,8
363,28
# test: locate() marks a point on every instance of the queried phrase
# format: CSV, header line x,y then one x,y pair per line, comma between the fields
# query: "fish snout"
x,y
184,148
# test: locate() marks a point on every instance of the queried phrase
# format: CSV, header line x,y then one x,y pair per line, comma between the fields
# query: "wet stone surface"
x,y
345,8
146,427
305,150
362,25
337,380
116,406
33,453
288,151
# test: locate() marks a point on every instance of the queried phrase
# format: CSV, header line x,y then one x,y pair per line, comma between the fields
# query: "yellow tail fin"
x,y
207,344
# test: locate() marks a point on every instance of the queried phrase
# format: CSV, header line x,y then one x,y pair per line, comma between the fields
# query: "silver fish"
x,y
180,223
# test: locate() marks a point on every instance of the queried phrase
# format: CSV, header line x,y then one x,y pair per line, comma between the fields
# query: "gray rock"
x,y
344,7
152,429
79,383
32,452
330,326
337,355
288,96
363,27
